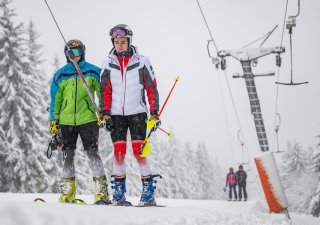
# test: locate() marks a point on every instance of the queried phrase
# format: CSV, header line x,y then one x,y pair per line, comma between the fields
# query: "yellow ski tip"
x,y
177,78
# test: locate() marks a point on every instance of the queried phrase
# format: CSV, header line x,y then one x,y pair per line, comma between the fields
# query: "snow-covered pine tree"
x,y
35,61
82,168
170,155
314,207
297,176
3,155
204,168
40,81
186,170
25,165
218,180
106,151
316,158
56,66
56,63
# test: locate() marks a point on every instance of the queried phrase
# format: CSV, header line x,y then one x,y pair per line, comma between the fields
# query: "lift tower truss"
x,y
247,58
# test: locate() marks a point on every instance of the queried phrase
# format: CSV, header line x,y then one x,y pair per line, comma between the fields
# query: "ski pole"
x,y
165,102
166,132
145,147
77,67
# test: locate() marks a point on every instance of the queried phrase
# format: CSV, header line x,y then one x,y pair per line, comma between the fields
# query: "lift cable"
x,y
216,62
204,18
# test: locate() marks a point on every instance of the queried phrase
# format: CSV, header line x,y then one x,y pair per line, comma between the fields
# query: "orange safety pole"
x,y
271,183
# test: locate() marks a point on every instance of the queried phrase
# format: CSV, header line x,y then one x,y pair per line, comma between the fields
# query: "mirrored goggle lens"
x,y
118,32
75,51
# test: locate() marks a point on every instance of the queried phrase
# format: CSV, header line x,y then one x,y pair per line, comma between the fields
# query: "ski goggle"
x,y
119,32
76,52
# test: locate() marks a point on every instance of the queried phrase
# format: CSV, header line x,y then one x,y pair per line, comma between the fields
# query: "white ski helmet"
x,y
121,30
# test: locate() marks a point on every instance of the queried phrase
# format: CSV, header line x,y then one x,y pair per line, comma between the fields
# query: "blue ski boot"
x,y
118,183
148,187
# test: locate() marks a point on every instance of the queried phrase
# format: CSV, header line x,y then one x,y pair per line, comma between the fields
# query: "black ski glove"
x,y
107,123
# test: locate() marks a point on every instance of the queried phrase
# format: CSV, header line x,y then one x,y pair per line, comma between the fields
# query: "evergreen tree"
x,y
316,158
297,176
204,169
56,66
170,158
82,168
56,63
24,167
314,207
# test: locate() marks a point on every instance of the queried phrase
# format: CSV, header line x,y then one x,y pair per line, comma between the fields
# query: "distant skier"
x,y
72,111
242,183
232,182
125,77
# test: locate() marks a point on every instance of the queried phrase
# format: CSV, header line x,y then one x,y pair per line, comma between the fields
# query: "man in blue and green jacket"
x,y
72,111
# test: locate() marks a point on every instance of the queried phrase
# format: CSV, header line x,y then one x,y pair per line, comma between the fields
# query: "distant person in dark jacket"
x,y
232,182
242,183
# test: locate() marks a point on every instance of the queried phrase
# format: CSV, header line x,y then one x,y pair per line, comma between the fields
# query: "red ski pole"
x,y
165,102
166,132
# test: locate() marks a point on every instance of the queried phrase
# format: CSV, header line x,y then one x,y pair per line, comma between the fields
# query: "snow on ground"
x,y
19,209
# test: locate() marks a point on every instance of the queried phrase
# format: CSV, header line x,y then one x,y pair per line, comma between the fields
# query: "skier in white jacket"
x,y
125,77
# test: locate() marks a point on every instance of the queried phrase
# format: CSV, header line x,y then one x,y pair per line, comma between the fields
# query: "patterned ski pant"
x,y
137,127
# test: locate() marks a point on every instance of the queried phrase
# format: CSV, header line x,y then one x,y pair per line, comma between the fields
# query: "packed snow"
x,y
17,209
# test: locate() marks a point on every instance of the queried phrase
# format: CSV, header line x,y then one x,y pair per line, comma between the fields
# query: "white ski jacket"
x,y
124,80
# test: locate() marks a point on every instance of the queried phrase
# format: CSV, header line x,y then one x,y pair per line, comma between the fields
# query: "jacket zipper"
x,y
124,77
125,83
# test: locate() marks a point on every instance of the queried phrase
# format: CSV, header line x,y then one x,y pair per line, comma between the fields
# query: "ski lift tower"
x,y
265,162
247,58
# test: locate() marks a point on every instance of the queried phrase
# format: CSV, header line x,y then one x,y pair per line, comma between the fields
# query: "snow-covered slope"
x,y
19,209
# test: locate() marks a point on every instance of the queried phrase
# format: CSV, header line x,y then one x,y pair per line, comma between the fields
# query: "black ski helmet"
x,y
121,30
75,44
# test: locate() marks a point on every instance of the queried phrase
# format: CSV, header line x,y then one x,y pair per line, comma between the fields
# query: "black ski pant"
x,y
135,123
89,134
242,188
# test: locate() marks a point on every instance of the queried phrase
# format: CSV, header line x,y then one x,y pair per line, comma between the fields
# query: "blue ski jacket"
x,y
70,102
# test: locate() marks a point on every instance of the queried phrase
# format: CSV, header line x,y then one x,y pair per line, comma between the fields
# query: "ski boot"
x,y
118,183
100,186
148,187
68,190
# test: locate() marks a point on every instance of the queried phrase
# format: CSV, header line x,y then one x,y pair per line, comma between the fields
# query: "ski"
x,y
82,202
123,203
77,201
142,206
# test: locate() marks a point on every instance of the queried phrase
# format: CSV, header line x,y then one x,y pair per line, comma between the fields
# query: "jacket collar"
x,y
81,64
113,55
